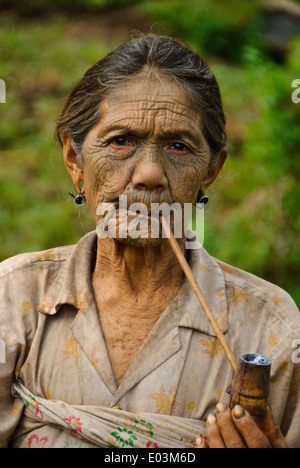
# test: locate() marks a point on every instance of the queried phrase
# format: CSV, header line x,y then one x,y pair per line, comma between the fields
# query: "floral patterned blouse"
x,y
57,387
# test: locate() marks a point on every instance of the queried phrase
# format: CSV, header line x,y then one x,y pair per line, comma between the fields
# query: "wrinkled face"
x,y
148,145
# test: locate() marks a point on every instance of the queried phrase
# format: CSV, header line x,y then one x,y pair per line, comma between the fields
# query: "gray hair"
x,y
171,57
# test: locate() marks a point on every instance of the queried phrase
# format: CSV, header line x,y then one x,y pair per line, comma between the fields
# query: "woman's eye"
x,y
179,146
120,141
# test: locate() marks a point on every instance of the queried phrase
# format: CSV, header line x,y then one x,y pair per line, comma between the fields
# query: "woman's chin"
x,y
141,242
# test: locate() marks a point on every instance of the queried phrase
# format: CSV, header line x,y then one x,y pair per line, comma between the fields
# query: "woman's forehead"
x,y
148,103
155,86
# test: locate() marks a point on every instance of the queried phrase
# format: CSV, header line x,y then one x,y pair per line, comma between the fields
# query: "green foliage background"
x,y
253,218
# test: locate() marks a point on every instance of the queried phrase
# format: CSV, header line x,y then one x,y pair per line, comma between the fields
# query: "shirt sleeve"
x,y
283,333
10,408
17,323
291,420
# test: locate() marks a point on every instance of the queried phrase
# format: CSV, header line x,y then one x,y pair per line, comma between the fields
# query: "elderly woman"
x,y
105,343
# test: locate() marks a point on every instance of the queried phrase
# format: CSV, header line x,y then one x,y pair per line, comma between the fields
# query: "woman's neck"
x,y
139,273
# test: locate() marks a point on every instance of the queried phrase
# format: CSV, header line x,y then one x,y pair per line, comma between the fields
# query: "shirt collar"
x,y
73,286
211,280
73,283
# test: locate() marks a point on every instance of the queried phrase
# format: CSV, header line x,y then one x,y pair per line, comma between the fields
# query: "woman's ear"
x,y
71,161
214,170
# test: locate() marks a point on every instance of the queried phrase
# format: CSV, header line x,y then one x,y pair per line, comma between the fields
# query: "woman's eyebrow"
x,y
194,137
166,134
115,130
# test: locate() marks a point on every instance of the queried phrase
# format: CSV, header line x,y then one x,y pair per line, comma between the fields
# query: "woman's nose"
x,y
149,176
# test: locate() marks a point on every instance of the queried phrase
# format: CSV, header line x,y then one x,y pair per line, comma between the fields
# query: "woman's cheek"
x,y
185,184
109,180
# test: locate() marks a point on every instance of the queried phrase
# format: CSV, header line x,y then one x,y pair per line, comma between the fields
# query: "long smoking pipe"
x,y
250,385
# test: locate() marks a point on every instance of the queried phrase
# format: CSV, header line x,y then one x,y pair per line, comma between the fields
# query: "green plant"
x,y
212,26
256,219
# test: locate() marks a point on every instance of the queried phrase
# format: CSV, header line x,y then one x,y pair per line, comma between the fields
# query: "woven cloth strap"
x,y
92,426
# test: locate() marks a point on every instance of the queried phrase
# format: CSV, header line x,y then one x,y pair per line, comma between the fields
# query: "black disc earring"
x,y
79,199
201,198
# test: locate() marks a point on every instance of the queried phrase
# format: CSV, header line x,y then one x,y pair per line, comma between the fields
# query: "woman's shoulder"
x,y
25,278
47,259
25,262
245,288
